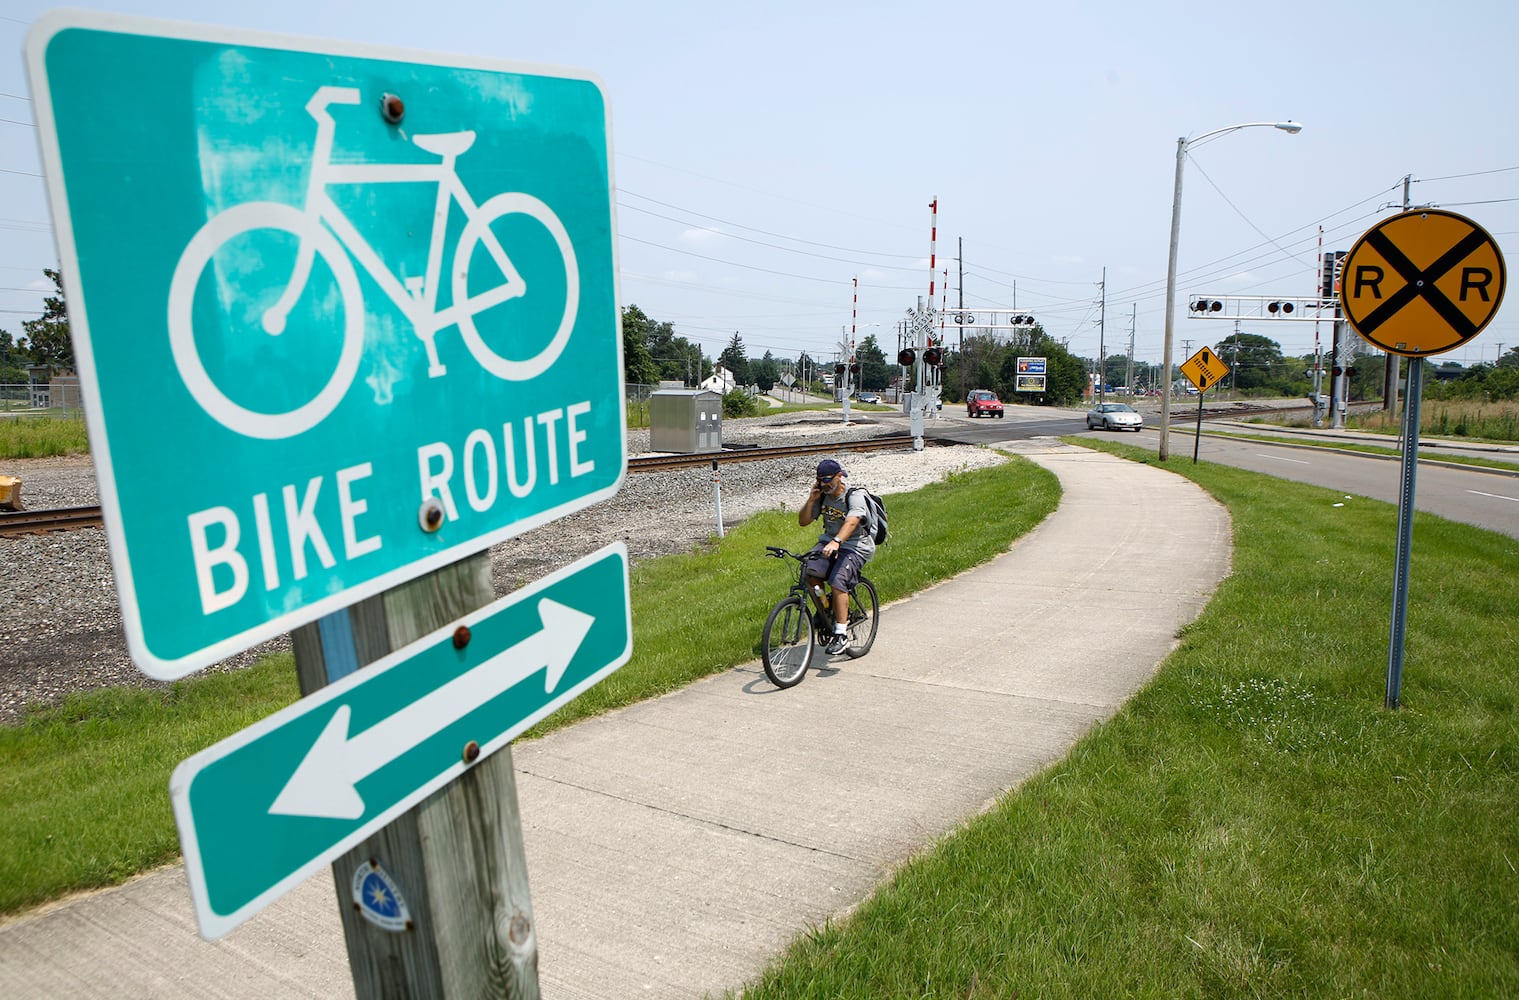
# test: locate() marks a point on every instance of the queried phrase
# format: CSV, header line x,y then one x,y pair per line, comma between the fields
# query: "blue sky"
x,y
766,155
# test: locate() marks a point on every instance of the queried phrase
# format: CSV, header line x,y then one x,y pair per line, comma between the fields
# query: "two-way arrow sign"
x,y
325,782
266,807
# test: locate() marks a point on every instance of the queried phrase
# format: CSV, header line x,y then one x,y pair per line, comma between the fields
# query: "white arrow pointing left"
x,y
323,784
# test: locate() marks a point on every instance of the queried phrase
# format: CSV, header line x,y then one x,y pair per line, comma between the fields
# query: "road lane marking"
x,y
1279,458
1495,496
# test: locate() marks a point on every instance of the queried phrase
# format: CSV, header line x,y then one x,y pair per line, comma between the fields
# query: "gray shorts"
x,y
842,571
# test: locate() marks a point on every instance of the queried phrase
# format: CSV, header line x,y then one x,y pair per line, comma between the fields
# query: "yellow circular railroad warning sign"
x,y
1423,282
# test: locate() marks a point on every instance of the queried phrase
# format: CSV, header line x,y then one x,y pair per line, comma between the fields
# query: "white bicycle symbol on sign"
x,y
322,230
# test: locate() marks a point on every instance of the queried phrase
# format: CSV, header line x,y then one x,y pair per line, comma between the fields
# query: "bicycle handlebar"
x,y
776,552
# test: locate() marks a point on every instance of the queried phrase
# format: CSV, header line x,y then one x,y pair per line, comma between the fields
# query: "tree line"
x,y
653,352
43,341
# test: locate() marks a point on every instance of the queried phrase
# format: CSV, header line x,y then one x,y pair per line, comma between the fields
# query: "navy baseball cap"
x,y
828,468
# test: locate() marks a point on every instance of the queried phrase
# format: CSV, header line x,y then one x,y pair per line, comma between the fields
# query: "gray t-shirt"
x,y
835,510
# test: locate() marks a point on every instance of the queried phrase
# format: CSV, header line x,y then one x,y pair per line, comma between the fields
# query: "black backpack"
x,y
877,508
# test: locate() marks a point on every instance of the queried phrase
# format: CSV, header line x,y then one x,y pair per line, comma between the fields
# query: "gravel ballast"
x,y
60,624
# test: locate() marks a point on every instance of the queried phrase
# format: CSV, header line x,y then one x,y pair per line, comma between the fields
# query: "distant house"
x,y
721,381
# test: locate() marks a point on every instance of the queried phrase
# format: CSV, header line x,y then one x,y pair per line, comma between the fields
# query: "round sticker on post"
x,y
379,899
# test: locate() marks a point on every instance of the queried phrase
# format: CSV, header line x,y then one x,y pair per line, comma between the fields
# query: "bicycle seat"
x,y
445,143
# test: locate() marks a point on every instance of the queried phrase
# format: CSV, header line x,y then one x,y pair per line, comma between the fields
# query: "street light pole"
x,y
1182,145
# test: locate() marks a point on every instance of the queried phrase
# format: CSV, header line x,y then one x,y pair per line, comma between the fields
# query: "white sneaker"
x,y
837,644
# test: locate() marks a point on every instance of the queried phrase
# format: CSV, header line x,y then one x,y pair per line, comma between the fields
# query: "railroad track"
x,y
660,463
26,522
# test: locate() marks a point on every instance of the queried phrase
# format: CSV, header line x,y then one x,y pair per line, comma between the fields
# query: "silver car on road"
x,y
1114,417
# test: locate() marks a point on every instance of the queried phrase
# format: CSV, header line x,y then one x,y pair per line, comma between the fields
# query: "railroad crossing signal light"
x,y
1337,371
854,368
838,369
1280,308
1021,319
1207,305
906,356
1350,371
933,356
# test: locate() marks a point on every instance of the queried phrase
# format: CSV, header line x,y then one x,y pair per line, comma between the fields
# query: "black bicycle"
x,y
796,624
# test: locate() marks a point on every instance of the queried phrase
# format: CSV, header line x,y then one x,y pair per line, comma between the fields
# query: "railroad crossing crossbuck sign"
x,y
1423,282
1205,369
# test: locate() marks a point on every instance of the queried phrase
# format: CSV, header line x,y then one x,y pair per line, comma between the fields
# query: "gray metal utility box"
x,y
686,421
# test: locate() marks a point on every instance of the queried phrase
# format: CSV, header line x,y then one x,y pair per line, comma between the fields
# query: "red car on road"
x,y
983,403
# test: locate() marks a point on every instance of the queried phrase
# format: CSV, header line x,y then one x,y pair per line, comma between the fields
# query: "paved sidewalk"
x,y
676,846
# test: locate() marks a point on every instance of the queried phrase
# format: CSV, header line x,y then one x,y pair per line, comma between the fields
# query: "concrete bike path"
x,y
676,846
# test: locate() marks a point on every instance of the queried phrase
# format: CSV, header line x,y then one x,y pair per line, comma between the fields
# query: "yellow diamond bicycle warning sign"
x,y
1205,369
1422,282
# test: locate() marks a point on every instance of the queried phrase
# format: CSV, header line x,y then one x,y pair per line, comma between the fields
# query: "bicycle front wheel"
x,y
786,644
863,619
519,303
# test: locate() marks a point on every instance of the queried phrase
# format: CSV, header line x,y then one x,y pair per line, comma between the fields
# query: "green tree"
x,y
48,336
875,373
1254,361
678,358
13,358
638,366
738,403
765,372
1065,376
735,360
1116,369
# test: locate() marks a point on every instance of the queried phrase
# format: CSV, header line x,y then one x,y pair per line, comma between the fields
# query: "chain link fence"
x,y
59,398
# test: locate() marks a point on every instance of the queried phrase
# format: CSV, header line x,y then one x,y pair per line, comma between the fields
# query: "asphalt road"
x,y
1484,499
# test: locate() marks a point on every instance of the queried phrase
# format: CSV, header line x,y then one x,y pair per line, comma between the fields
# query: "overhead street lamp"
x,y
1182,145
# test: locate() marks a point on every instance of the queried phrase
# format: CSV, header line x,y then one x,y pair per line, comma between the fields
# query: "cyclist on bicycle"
x,y
843,548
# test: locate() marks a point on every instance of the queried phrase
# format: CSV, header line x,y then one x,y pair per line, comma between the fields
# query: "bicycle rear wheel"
x,y
863,619
786,644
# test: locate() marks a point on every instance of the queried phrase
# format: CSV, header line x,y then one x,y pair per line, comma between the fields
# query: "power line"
x,y
1237,210
773,246
752,229
1474,173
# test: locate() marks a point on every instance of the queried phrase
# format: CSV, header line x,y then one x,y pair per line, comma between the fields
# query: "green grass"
x,y
84,786
1253,823
1368,449
39,437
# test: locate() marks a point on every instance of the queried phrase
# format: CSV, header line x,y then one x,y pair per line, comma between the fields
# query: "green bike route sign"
x,y
265,808
342,314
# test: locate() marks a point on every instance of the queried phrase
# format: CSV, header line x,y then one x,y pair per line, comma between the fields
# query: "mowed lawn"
x,y
84,786
1253,823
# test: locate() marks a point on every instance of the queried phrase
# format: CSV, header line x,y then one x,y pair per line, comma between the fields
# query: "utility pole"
x,y
1129,374
1234,358
960,260
1102,351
